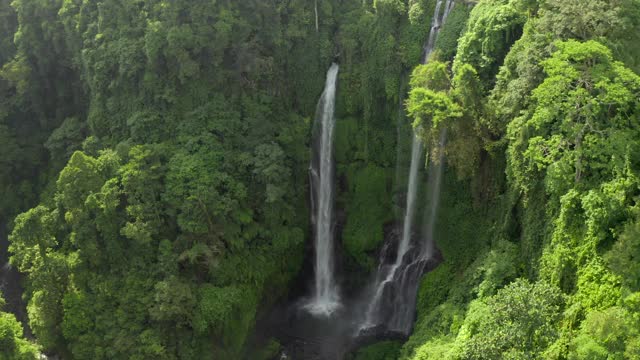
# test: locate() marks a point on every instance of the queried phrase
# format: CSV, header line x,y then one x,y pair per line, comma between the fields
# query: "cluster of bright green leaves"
x,y
491,29
13,346
558,20
519,322
439,104
429,102
604,334
584,120
580,143
151,236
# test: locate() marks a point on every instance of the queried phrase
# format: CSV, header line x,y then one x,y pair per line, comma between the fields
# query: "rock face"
x,y
394,299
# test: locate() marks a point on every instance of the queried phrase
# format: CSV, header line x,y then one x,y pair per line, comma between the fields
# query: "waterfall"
x,y
394,294
326,298
407,278
417,146
435,182
410,207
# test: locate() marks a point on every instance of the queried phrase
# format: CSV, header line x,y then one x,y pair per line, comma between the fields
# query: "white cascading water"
x,y
407,276
399,281
435,181
326,298
412,192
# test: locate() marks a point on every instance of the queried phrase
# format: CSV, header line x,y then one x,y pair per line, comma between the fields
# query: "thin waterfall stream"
x,y
326,298
395,289
435,182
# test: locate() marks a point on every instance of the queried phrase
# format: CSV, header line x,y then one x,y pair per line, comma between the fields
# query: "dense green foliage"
x,y
557,277
155,153
12,344
386,350
162,147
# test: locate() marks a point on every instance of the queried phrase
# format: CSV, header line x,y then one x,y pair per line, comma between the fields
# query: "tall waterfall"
x,y
435,182
326,298
393,302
